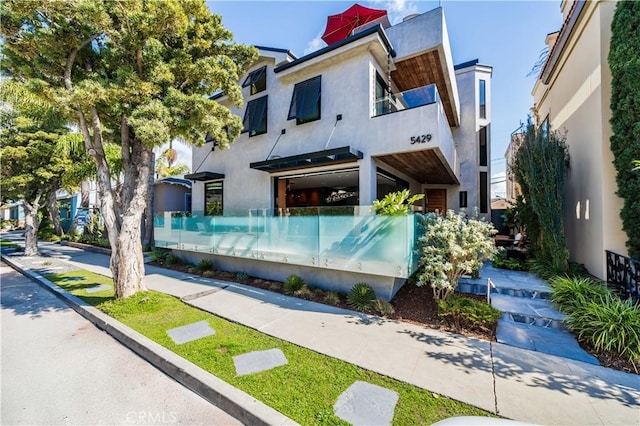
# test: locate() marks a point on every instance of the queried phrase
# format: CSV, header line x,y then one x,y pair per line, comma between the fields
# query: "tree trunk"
x,y
54,213
84,193
31,226
148,214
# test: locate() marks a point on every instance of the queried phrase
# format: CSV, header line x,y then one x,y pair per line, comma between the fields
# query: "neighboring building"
x,y
381,110
171,194
13,212
322,130
512,187
572,94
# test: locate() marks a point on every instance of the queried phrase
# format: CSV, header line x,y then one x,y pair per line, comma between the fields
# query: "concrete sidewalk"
x,y
516,383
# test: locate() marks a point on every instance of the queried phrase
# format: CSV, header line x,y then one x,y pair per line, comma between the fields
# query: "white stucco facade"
x,y
444,154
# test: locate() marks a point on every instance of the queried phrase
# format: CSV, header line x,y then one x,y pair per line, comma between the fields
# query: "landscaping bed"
x,y
411,304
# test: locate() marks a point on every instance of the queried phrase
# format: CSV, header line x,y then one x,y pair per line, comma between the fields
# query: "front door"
x,y
436,200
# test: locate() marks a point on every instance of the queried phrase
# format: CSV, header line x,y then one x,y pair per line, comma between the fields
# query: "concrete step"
x,y
529,312
480,288
546,340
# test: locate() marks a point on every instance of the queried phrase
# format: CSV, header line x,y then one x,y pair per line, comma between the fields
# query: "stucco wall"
x,y
577,101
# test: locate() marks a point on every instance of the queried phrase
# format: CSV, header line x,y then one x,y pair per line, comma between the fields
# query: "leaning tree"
x,y
132,72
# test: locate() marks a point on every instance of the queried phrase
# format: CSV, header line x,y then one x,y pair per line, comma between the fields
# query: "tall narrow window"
x,y
544,129
255,117
463,199
305,102
257,80
483,99
483,146
213,198
382,99
484,199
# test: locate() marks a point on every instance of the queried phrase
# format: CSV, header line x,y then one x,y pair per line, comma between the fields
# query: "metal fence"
x,y
623,273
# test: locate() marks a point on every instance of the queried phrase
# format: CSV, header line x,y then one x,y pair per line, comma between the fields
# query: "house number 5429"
x,y
420,139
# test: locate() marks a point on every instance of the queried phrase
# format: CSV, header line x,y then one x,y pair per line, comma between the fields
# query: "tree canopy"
x,y
137,73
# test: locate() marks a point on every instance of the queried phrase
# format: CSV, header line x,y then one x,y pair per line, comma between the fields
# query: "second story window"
x,y
484,152
483,99
255,117
544,129
305,102
257,80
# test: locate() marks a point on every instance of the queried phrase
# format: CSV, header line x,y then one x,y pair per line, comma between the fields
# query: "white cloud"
x,y
315,44
396,9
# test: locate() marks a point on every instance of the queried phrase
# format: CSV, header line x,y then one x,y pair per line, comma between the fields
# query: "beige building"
x,y
572,94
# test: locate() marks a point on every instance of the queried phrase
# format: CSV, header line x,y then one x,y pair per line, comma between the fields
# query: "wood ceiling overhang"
x,y
422,70
426,166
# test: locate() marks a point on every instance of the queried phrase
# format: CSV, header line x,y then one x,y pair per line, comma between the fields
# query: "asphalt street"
x,y
59,369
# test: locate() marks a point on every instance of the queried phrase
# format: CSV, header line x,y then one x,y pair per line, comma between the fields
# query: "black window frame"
x,y
483,98
257,80
484,192
463,199
218,210
301,91
255,116
483,147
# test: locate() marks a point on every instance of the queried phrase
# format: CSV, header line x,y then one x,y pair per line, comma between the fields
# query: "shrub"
x,y
501,261
192,270
304,292
361,297
205,265
293,283
450,247
332,298
383,307
242,276
571,293
609,324
396,203
174,260
159,255
209,274
464,312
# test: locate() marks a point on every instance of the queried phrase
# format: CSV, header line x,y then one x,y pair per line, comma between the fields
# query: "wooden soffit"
x,y
425,166
422,70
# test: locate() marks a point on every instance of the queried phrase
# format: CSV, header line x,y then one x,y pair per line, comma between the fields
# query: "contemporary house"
x,y
572,94
171,193
326,134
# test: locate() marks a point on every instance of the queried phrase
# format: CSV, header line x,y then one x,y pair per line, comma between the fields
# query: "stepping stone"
x,y
190,332
98,288
366,404
254,362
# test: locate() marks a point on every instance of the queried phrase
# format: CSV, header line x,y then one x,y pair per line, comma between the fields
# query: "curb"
x,y
87,247
233,401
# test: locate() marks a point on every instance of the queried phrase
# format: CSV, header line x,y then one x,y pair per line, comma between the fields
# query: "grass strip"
x,y
7,243
305,389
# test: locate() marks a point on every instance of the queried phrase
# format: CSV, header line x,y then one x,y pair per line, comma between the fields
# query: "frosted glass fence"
x,y
356,242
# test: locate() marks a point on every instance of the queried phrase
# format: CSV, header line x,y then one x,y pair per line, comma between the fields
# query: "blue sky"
x,y
508,35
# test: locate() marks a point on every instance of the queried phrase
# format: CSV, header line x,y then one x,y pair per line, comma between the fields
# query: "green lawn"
x,y
7,243
305,389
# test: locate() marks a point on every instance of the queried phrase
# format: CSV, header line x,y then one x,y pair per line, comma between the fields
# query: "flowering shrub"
x,y
451,246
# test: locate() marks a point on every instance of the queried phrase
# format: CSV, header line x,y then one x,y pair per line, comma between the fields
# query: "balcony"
x,y
414,98
350,239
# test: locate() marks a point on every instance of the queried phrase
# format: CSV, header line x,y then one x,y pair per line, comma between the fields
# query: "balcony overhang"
x,y
426,166
203,176
325,157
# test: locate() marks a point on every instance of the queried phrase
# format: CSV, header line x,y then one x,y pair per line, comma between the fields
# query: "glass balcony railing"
x,y
351,240
413,98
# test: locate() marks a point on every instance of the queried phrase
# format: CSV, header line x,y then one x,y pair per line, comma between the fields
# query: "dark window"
x,y
305,102
257,80
484,204
463,199
544,129
483,146
382,98
213,198
255,117
483,99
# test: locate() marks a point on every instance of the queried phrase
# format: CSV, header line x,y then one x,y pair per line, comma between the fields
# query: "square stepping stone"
x,y
366,404
98,288
190,332
253,362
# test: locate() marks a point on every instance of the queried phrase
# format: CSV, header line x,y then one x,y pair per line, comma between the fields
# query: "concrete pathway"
x,y
517,383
